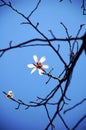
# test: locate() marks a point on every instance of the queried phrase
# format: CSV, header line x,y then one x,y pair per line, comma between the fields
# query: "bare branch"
x,y
27,44
69,1
34,9
63,121
79,122
51,121
76,105
52,33
49,76
1,53
77,36
52,126
83,7
67,35
2,5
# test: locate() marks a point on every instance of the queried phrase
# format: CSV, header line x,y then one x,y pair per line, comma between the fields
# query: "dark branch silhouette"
x,y
83,6
75,105
78,123
65,75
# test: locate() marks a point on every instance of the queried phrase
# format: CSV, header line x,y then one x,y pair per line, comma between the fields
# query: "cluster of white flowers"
x,y
38,65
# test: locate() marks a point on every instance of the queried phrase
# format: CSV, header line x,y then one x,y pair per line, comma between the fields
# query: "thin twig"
x,y
79,122
77,36
34,9
26,43
67,35
83,7
63,121
76,105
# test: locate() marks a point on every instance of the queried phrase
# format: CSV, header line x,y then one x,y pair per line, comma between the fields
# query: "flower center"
x,y
38,65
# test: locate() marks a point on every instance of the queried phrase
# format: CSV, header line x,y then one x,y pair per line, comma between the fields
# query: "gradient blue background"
x,y
15,76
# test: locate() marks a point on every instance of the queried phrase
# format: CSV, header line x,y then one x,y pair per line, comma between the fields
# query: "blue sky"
x,y
15,75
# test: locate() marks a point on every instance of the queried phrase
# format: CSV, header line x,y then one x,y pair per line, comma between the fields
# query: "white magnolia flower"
x,y
10,94
38,65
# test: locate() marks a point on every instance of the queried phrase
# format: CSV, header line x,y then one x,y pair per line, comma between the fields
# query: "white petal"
x,y
33,70
40,71
30,66
10,92
42,59
45,66
35,58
